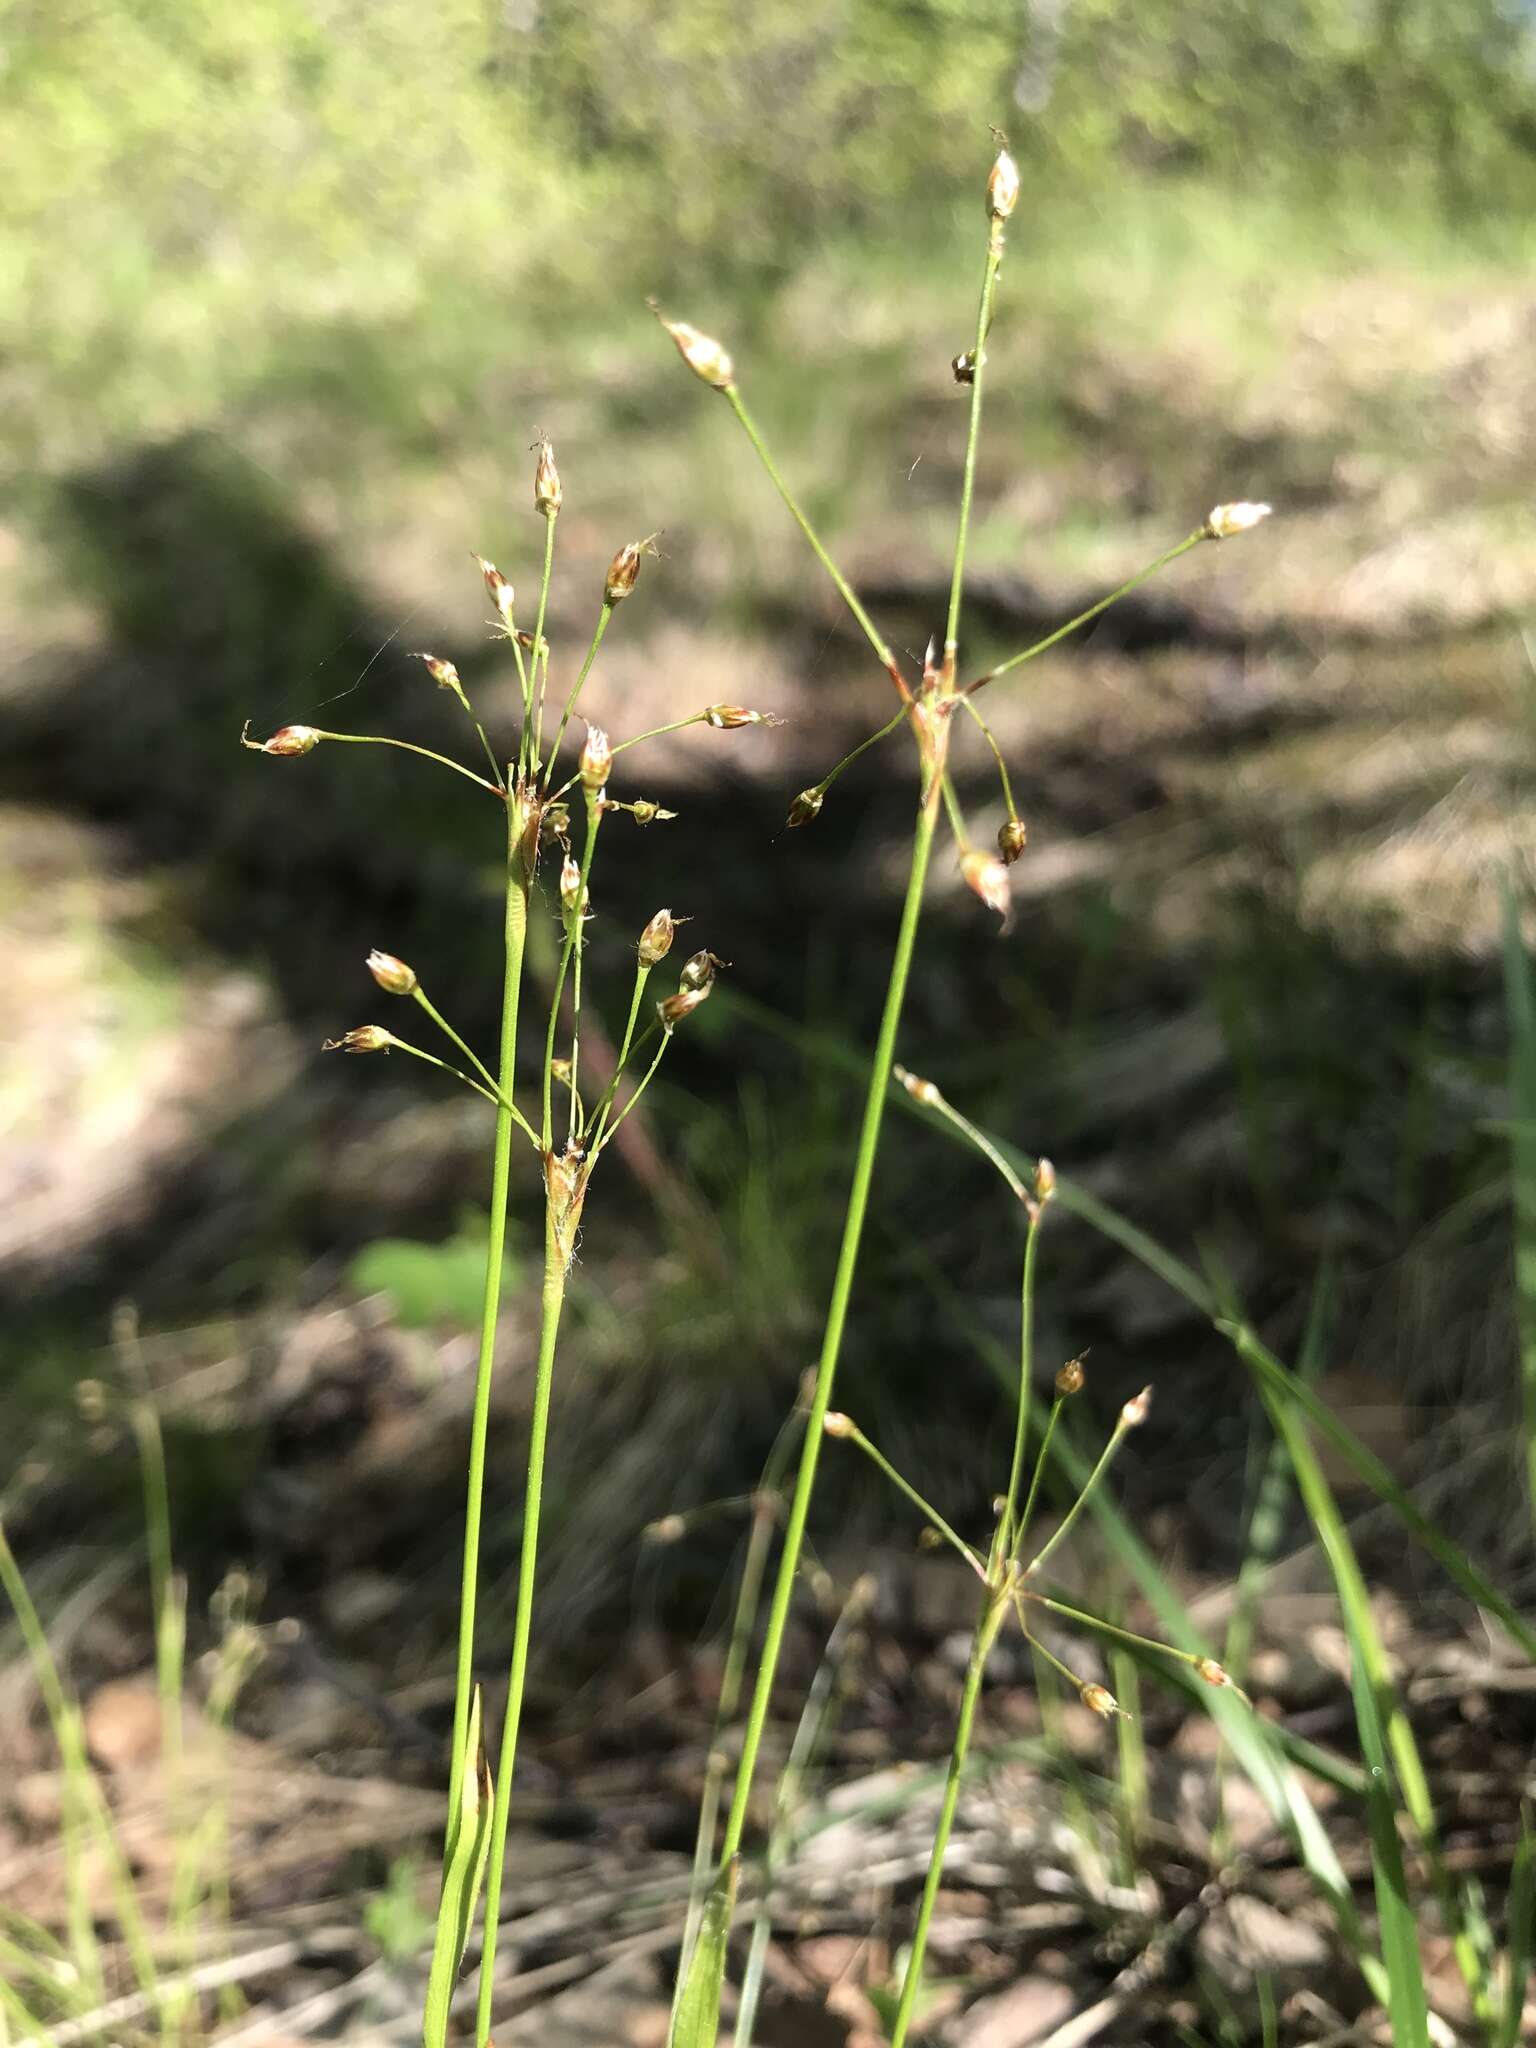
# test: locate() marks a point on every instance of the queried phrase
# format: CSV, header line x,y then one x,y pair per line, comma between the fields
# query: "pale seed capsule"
x,y
1012,837
986,876
1134,1413
725,717
1098,1699
1045,1179
547,493
623,570
596,758
705,357
1208,1669
500,590
920,1090
392,975
1226,521
644,812
443,673
570,886
365,1038
835,1423
669,1529
656,939
1003,186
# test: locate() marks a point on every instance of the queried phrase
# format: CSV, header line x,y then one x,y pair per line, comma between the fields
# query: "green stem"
x,y
1039,1472
375,739
571,946
1142,575
553,1300
601,1114
864,745
538,640
924,1508
1081,1502
992,1615
640,1087
972,442
997,754
492,1094
844,588
515,934
837,1314
1026,1360
570,703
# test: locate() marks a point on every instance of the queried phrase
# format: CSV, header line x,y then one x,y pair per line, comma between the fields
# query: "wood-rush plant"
x,y
927,708
567,1131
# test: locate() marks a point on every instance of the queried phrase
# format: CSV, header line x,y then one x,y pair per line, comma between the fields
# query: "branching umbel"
x,y
927,710
566,1130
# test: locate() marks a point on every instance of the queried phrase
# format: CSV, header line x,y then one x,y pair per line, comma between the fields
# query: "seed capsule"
x,y
1226,521
443,673
571,891
1134,1413
1098,1699
1045,1179
392,975
673,1009
546,483
365,1038
1003,186
625,567
986,876
499,588
963,367
725,717
835,1423
1012,837
806,806
1069,1380
700,969
656,939
596,758
705,357
288,739
1208,1669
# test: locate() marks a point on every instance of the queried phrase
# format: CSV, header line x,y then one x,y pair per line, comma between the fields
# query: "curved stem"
x,y
514,933
553,1300
377,739
640,1087
605,1105
997,754
924,1508
475,1061
1026,1359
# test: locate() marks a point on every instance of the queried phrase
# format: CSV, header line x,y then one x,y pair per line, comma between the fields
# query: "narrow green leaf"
x,y
1520,1007
1520,1933
698,2010
463,1875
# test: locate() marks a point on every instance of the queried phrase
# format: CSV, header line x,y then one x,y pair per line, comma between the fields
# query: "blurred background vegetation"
x,y
286,292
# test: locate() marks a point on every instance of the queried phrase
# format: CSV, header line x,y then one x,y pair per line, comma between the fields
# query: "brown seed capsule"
x,y
1003,186
500,590
988,878
644,812
835,1423
963,367
365,1038
1069,1380
1012,837
705,357
1208,1669
724,717
546,483
392,975
1134,1413
554,823
1045,1179
443,673
288,739
656,939
596,758
673,1009
625,567
806,806
700,969
1098,1699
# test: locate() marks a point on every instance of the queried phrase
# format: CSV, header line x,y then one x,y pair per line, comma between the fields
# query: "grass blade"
x,y
1520,1004
1519,1936
463,1876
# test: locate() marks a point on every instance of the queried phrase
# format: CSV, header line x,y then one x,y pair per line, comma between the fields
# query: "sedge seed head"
x,y
806,806
920,1090
1045,1179
963,366
726,717
700,969
392,975
625,567
706,358
1226,521
656,939
1098,1699
287,740
571,891
987,878
1134,1413
364,1038
1012,838
547,493
500,589
443,673
644,812
1213,1674
669,1529
1003,186
835,1423
1070,1379
596,759
673,1009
